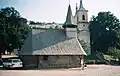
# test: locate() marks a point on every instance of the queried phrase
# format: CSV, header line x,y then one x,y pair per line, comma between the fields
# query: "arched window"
x,y
84,25
83,17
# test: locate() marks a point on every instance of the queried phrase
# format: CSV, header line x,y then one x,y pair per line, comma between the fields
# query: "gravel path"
x,y
91,70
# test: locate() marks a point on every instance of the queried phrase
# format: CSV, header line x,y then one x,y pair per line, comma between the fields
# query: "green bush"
x,y
114,52
99,62
90,62
94,62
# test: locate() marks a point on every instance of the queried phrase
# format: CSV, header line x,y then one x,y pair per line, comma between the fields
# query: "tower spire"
x,y
69,19
81,6
76,7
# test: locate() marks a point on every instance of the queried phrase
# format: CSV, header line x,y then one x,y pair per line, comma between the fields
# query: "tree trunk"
x,y
0,53
119,60
2,49
0,56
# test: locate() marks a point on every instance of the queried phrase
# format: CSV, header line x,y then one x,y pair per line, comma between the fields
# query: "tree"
x,y
51,27
57,27
31,22
85,47
114,52
13,29
103,30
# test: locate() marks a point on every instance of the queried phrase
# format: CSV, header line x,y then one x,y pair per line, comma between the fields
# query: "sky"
x,y
56,10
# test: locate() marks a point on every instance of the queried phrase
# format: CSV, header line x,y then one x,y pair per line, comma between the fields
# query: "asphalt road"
x,y
91,70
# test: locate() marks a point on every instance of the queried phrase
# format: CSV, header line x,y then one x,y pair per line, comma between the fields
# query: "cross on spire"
x,y
76,6
81,6
69,2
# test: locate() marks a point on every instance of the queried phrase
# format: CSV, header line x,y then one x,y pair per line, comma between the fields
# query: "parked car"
x,y
1,62
12,63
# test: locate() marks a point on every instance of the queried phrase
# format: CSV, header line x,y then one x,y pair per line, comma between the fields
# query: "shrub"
x,y
114,52
90,62
95,62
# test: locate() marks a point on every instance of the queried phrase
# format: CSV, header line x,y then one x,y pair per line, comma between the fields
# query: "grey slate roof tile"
x,y
51,42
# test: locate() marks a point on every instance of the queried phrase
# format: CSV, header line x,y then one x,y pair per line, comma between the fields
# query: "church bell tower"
x,y
81,19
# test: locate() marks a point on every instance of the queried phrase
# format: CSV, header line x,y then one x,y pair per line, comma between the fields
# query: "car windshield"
x,y
16,60
8,61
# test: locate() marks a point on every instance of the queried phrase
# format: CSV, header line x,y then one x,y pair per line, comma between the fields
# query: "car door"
x,y
16,63
6,63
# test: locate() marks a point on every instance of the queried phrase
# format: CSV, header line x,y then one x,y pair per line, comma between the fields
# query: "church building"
x,y
46,47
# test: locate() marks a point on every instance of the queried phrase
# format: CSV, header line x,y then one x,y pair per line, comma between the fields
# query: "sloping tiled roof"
x,y
51,42
27,47
67,47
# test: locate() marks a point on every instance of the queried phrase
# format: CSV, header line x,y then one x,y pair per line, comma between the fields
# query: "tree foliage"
x,y
114,52
13,29
85,46
104,30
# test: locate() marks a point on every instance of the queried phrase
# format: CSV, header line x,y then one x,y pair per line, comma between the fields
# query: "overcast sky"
x,y
56,10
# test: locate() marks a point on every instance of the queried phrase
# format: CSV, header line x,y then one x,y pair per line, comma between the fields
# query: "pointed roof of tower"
x,y
81,6
70,22
76,6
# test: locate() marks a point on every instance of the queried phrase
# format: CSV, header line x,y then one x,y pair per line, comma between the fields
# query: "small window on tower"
x,y
84,25
83,17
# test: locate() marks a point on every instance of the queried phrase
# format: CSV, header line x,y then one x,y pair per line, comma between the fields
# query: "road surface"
x,y
91,70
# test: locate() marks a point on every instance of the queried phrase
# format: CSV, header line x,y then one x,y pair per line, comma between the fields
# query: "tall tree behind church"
x,y
13,29
104,32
